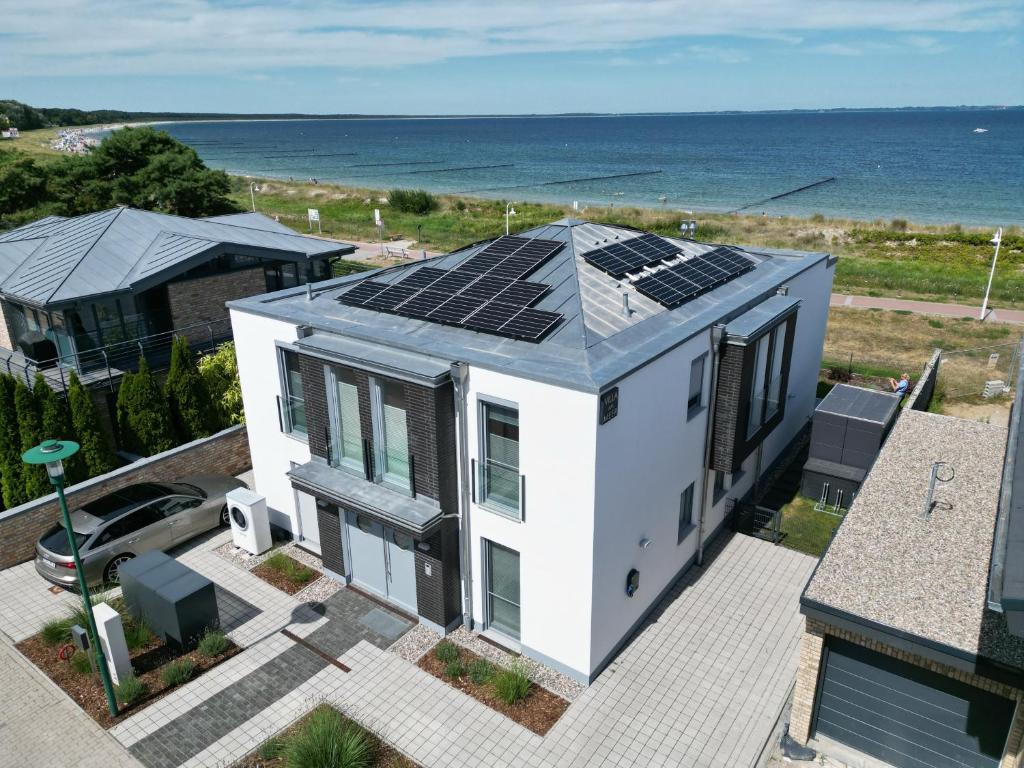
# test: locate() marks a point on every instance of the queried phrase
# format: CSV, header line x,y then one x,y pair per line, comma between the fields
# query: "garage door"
x,y
907,716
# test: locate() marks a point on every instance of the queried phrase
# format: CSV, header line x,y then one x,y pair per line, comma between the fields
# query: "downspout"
x,y
717,334
460,371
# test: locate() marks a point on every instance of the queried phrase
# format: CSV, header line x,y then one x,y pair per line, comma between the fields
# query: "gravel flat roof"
x,y
926,576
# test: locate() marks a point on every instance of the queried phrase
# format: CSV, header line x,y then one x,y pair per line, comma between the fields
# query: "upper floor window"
x,y
293,400
767,383
685,514
392,435
696,397
346,431
500,457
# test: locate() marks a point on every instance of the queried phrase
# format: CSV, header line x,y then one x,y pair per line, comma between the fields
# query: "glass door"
x,y
503,590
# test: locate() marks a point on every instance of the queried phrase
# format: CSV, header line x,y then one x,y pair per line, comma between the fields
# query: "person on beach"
x,y
902,386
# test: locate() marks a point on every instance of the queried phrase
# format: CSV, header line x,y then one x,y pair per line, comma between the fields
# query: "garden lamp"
x,y
253,189
51,453
996,240
509,211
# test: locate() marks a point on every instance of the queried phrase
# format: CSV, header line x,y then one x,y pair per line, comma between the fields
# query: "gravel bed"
x,y
243,559
414,643
556,682
318,591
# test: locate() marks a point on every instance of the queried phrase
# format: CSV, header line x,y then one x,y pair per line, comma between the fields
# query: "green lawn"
x,y
804,529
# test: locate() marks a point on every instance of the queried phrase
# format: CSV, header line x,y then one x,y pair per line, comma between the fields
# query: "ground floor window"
x,y
502,589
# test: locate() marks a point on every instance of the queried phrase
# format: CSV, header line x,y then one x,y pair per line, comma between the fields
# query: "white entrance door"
x,y
309,527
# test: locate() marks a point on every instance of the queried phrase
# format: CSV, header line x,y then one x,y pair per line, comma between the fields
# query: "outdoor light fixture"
x,y
509,211
253,189
997,238
51,454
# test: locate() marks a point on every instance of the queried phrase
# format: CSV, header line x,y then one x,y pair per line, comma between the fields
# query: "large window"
x,y
502,589
500,460
392,434
696,397
685,514
347,435
767,383
293,400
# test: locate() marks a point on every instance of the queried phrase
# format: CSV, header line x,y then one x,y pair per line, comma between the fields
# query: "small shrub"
x,y
838,373
80,663
481,671
291,569
213,643
328,740
512,684
130,691
818,218
178,672
454,669
460,205
137,634
446,651
271,748
57,631
412,201
900,225
935,323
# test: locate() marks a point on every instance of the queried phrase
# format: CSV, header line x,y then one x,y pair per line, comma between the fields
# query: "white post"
x,y
997,240
252,194
111,639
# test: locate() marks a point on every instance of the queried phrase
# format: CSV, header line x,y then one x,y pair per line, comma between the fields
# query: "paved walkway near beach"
x,y
926,307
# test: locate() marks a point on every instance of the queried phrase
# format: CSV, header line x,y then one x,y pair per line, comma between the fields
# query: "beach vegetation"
x,y
417,201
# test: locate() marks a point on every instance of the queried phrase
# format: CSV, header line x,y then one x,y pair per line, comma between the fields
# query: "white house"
x,y
534,435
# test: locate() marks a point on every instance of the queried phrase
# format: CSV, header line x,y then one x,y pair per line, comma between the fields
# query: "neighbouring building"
x,y
536,435
86,291
913,652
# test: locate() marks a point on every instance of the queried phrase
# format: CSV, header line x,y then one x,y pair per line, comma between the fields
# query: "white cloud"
x,y
838,49
87,37
719,54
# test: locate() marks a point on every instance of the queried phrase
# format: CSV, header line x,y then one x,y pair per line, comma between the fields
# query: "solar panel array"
x,y
679,283
485,293
621,258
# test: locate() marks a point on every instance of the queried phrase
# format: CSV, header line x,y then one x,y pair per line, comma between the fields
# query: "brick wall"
x,y
202,299
921,396
727,407
226,453
812,646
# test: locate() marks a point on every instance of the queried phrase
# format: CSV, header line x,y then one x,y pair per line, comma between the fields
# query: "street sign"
x,y
314,215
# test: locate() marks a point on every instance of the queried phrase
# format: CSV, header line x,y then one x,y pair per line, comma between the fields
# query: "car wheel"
x,y
225,517
110,574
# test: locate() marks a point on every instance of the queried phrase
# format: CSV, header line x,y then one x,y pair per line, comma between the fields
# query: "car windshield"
x,y
124,499
56,540
188,489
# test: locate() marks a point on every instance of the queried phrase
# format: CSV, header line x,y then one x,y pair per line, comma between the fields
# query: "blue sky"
x,y
455,56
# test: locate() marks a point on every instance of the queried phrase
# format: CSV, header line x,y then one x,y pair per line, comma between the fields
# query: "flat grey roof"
x,y
926,577
596,343
392,362
753,321
57,261
860,403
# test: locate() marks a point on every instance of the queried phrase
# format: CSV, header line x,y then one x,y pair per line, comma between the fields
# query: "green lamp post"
x,y
52,453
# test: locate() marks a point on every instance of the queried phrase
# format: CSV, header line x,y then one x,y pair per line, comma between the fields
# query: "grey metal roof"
x,y
57,261
860,403
595,344
392,362
755,320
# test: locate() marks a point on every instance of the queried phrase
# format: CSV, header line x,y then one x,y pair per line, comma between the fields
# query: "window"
x,y
719,487
176,504
500,461
293,403
694,402
346,430
685,514
775,371
503,589
130,523
392,434
766,392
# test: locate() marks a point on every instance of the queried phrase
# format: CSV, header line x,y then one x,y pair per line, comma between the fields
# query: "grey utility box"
x,y
177,603
847,432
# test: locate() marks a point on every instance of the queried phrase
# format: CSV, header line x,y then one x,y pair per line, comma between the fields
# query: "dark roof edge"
x,y
911,643
1010,514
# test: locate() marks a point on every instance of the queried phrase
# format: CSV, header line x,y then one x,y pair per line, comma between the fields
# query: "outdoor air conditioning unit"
x,y
250,523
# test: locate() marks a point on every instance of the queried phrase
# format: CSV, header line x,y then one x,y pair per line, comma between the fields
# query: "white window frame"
x,y
480,464
336,425
284,403
380,440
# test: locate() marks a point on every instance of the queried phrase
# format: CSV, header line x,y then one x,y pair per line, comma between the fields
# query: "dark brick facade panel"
x,y
314,388
447,457
420,422
226,453
727,407
436,599
203,299
329,521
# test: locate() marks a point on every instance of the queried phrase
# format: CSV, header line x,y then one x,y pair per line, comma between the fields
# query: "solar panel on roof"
x,y
522,293
531,324
455,310
358,295
529,253
679,283
623,257
391,297
423,277
423,303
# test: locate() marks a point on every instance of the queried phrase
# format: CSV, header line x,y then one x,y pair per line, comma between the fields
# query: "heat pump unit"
x,y
250,524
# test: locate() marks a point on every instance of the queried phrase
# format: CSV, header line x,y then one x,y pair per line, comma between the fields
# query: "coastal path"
x,y
925,307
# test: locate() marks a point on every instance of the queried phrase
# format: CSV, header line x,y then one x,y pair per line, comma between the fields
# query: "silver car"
x,y
129,521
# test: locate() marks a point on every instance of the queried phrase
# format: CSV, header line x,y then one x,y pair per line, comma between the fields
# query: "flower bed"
x,y
286,573
506,690
159,668
325,737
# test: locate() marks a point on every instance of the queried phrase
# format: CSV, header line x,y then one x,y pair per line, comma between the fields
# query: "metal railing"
x,y
103,365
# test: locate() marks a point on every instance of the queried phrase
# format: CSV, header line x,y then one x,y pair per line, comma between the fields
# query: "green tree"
x,y
143,418
11,481
96,453
55,417
187,396
23,185
30,430
220,374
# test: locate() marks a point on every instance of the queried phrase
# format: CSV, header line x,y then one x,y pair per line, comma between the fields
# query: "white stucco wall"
x,y
272,450
556,449
646,457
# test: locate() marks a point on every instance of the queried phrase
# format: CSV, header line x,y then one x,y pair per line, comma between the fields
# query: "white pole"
x,y
997,240
252,194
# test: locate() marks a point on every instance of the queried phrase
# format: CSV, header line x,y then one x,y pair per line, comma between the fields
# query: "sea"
x,y
929,166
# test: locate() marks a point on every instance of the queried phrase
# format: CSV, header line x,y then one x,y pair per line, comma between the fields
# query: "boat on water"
x,y
980,130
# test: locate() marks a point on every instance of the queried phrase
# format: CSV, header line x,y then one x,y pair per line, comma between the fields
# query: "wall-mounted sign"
x,y
609,405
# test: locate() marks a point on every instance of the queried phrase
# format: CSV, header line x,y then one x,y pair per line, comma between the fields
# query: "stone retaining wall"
x,y
226,452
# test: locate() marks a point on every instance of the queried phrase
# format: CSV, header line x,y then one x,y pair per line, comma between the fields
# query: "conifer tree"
x,y
11,481
143,418
187,395
55,418
97,456
30,431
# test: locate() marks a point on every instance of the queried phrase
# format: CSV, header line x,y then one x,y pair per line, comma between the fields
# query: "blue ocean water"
x,y
927,166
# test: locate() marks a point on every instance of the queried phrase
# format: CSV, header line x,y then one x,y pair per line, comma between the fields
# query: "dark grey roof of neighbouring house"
x,y
595,343
58,260
891,566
